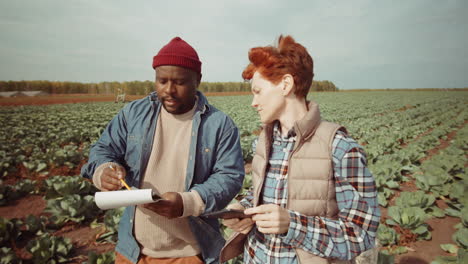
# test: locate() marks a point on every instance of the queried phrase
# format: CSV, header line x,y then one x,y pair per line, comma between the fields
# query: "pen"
x,y
123,182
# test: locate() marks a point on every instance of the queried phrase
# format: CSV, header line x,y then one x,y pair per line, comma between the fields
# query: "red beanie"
x,y
179,53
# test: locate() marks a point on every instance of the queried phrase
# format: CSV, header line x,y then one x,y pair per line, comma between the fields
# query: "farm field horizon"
x,y
83,98
416,144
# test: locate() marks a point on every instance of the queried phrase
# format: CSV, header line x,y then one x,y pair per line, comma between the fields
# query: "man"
x,y
183,148
313,198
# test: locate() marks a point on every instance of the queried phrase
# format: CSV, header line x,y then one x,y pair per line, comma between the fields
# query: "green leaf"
x,y
382,199
452,212
462,255
450,248
420,230
391,222
464,216
8,256
41,166
461,237
385,258
436,212
400,250
445,260
393,185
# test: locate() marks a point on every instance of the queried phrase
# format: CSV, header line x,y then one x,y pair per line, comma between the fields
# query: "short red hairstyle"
x,y
289,57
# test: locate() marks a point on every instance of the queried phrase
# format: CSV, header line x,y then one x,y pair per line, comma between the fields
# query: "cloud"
x,y
356,44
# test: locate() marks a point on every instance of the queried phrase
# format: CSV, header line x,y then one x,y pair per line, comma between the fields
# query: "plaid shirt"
x,y
356,195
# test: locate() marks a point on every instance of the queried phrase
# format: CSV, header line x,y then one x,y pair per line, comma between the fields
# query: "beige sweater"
x,y
158,236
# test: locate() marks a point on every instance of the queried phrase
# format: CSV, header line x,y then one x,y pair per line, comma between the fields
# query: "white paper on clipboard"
x,y
116,199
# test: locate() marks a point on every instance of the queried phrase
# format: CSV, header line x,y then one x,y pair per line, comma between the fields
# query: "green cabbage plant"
x,y
60,186
111,222
411,218
421,200
105,258
387,236
73,208
50,249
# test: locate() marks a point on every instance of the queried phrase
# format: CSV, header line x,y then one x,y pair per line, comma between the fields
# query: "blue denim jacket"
x,y
215,165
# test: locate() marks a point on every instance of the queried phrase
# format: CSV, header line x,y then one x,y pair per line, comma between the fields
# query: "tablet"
x,y
227,214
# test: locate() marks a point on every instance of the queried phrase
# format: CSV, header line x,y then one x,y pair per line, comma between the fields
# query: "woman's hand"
x,y
270,218
239,225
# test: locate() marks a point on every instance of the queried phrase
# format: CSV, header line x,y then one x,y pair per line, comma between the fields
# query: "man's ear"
x,y
287,84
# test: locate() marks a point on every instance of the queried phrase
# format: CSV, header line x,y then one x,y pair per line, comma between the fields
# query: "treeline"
x,y
131,88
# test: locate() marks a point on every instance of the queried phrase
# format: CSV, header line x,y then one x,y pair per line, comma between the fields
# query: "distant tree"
x,y
134,87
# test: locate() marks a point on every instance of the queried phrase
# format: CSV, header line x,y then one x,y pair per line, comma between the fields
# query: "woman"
x,y
313,200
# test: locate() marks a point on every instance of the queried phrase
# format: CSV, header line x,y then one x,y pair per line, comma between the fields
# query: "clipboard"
x,y
123,198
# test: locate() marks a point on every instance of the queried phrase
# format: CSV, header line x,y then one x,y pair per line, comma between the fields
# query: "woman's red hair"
x,y
273,63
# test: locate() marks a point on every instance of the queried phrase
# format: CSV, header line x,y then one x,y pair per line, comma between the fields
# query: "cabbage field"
x,y
416,144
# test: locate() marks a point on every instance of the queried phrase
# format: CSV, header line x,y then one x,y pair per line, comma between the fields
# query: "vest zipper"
x,y
297,145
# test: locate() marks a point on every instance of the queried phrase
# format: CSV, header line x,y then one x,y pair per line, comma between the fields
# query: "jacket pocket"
x,y
204,162
133,151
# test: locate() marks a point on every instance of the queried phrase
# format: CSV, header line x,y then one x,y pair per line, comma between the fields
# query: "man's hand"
x,y
270,218
171,206
242,226
110,178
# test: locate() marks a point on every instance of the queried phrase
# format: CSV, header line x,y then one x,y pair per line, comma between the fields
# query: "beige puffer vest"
x,y
311,185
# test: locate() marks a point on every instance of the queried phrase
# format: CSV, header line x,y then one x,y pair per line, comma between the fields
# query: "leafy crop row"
x,y
69,199
397,130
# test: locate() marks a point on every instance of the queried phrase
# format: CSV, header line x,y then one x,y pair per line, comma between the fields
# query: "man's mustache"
x,y
167,98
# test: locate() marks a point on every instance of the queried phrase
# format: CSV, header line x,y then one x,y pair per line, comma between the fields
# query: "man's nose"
x,y
170,88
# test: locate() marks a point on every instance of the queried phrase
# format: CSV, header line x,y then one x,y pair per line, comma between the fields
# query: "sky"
x,y
359,44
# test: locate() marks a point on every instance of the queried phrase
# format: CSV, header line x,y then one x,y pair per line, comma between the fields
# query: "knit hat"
x,y
179,53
